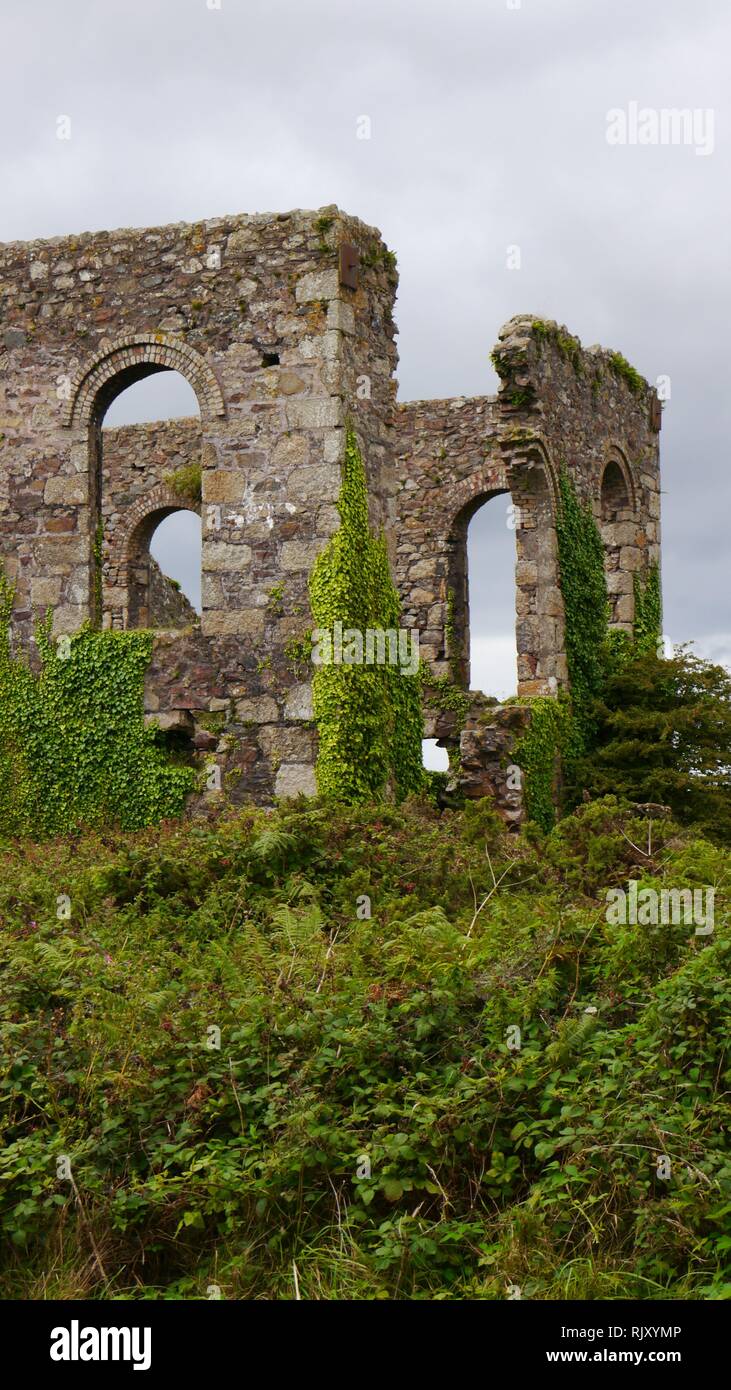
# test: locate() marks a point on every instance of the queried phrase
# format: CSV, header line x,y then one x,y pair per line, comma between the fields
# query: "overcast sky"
x,y
489,130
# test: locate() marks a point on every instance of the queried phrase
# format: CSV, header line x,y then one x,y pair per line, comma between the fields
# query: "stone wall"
x,y
276,337
165,605
559,405
448,464
283,324
587,410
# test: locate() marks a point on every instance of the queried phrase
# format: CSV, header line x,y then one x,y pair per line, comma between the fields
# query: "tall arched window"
x,y
149,504
490,577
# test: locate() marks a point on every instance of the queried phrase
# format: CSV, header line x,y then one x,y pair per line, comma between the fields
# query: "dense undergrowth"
x,y
352,1046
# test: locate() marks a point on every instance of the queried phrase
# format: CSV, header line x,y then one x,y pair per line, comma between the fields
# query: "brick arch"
x,y
469,494
616,456
527,464
127,547
127,360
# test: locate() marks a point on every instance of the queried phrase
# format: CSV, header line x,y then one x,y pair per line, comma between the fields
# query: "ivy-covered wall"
x,y
561,730
648,609
74,747
368,717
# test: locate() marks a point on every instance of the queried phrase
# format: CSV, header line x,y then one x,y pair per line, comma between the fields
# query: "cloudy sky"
x,y
489,130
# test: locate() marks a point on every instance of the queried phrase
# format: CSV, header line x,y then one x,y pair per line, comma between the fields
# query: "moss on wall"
x,y
186,482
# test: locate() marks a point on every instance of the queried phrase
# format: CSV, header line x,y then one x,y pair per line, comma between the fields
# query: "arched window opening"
x,y
162,395
490,605
149,458
615,514
176,550
434,756
614,492
164,570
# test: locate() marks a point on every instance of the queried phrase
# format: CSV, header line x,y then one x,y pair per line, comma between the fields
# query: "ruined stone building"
x,y
283,326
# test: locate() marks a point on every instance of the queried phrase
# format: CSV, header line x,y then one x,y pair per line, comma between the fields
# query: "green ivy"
x,y
368,717
584,590
539,755
560,730
445,695
648,610
74,749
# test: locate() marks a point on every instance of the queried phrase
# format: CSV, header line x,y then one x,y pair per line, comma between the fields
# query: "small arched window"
x,y
164,562
615,496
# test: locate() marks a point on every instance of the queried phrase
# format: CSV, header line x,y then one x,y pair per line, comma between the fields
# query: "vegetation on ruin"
x,y
360,1124
444,694
74,749
584,590
368,718
378,255
540,755
635,724
546,331
663,734
562,728
648,609
186,482
627,373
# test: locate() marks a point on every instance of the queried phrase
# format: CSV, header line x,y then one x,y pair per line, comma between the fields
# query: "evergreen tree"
x,y
663,734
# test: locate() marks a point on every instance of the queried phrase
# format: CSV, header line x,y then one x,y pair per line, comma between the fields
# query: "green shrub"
x,y
363,1117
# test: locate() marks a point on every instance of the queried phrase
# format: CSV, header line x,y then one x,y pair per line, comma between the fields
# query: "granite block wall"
x,y
283,325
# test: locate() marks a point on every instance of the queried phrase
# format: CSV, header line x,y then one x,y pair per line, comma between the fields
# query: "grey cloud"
x,y
488,130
